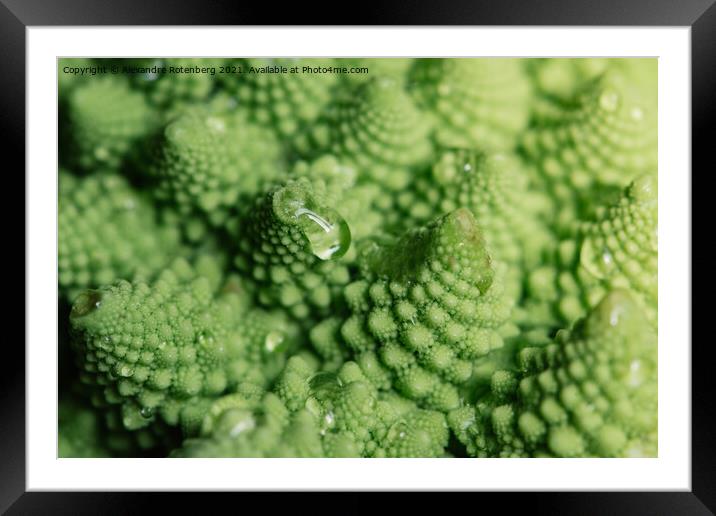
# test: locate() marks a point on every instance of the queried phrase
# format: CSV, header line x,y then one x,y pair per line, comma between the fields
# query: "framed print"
x,y
360,257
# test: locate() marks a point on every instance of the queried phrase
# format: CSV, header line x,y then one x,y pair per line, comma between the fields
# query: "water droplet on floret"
x,y
87,302
324,380
242,425
273,340
609,100
328,233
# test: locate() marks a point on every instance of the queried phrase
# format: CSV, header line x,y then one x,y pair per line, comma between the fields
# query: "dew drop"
x,y
146,412
607,257
324,381
273,340
105,343
88,301
329,235
397,431
609,100
328,420
635,373
614,315
248,423
596,259
644,188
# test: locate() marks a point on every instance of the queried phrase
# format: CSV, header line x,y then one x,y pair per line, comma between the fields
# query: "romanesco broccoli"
x,y
357,257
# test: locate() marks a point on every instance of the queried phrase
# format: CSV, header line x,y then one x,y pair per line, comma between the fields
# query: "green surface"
x,y
358,258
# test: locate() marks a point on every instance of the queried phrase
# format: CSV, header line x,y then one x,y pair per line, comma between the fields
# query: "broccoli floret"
x,y
477,103
592,393
377,128
426,305
593,149
617,249
164,350
290,243
359,202
80,432
319,414
174,86
108,231
209,162
557,82
495,188
286,102
434,258
103,132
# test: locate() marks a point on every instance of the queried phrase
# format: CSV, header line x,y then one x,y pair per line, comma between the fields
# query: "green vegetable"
x,y
103,132
357,257
591,150
290,243
207,162
108,231
166,349
592,393
426,305
286,102
319,415
378,128
477,103
167,90
617,249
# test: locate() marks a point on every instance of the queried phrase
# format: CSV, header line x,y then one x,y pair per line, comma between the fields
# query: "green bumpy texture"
x,y
431,258
79,431
209,162
108,231
290,243
338,181
495,188
103,131
378,128
426,306
617,249
557,82
598,146
165,350
176,86
286,102
476,103
319,414
592,393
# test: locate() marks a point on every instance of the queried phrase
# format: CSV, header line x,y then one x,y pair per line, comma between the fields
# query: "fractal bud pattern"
x,y
357,257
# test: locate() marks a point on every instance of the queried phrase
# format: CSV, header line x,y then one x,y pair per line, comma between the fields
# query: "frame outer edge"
x,y
12,381
703,99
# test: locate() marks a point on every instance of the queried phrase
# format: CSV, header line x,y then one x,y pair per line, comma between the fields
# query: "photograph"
x,y
357,257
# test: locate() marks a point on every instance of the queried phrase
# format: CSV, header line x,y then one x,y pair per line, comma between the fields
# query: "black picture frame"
x,y
700,15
